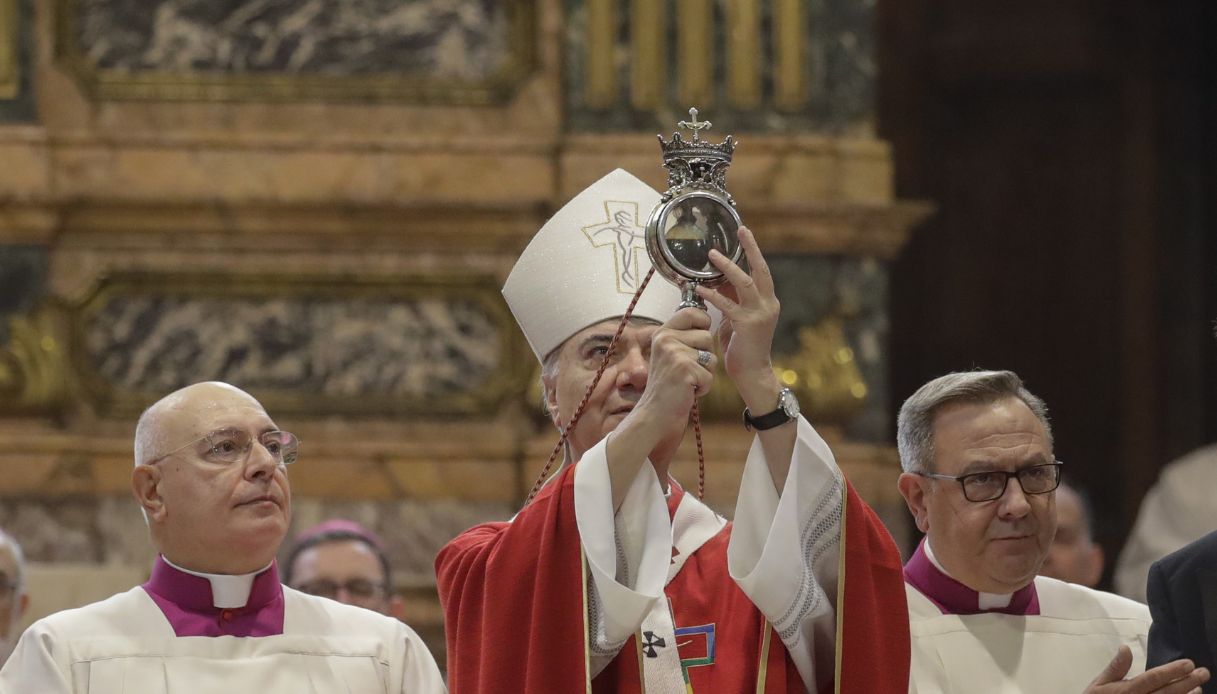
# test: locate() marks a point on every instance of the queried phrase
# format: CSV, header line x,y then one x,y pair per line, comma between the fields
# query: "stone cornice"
x,y
849,229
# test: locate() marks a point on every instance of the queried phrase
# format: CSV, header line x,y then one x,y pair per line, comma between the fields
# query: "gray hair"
x,y
549,364
915,423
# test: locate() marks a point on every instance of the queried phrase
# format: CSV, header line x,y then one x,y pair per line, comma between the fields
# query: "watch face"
x,y
790,404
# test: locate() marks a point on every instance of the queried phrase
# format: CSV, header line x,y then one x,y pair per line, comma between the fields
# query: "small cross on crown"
x,y
694,125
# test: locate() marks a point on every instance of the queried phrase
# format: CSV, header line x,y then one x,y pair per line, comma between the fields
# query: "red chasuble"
x,y
515,614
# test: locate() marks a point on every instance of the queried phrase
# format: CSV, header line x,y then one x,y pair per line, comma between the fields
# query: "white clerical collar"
x,y
984,601
227,591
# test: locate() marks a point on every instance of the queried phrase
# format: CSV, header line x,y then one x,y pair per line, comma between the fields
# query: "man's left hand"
x,y
750,311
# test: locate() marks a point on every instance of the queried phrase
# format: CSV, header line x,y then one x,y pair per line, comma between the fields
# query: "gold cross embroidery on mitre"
x,y
621,230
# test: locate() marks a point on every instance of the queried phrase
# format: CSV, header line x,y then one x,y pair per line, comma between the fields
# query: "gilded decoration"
x,y
34,371
426,51
822,372
10,40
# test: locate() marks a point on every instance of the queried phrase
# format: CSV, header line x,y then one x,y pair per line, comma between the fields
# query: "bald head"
x,y
210,479
171,421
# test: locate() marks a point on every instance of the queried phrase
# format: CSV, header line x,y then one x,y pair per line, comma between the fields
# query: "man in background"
x,y
211,479
344,561
980,479
14,601
1074,555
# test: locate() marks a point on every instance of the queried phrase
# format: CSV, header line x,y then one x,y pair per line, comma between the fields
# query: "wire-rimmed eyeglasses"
x,y
991,484
357,588
232,446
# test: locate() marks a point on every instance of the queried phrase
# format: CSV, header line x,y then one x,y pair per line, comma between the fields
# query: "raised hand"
x,y
750,314
1178,677
675,377
680,369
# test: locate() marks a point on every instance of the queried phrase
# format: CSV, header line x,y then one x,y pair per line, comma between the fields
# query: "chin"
x,y
1017,574
264,529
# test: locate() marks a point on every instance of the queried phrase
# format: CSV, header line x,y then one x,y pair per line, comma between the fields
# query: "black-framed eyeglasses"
x,y
358,588
232,446
991,484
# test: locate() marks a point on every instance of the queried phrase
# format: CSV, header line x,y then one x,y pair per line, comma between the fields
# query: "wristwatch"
x,y
787,409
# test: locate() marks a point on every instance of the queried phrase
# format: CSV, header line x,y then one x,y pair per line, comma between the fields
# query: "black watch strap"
x,y
768,420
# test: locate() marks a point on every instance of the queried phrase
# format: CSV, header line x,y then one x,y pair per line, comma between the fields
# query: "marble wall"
x,y
463,40
442,50
431,352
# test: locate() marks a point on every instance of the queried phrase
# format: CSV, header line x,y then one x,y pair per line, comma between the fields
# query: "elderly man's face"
x,y
344,570
1074,556
991,546
218,517
619,388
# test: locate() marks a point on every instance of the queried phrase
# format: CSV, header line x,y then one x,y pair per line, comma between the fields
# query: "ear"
x,y
549,391
1094,565
145,485
23,605
912,488
397,608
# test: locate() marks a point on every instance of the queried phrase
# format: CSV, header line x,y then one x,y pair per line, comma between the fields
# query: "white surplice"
x,y
1063,649
784,554
125,645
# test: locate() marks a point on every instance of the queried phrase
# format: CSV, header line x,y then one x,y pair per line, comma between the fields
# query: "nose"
x,y
1014,503
632,369
261,463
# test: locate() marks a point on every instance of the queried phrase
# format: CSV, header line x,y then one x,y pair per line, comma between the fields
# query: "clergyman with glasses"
x,y
210,477
980,479
344,561
14,600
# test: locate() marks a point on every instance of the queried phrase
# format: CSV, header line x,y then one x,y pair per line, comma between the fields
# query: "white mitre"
x,y
586,263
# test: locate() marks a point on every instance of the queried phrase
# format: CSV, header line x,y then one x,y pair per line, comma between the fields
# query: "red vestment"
x,y
515,613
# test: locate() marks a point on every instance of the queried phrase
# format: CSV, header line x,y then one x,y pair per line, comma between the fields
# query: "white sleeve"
x,y
785,551
627,553
32,666
420,674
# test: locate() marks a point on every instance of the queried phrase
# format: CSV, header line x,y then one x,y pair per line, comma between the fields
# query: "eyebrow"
x,y
989,466
595,340
238,427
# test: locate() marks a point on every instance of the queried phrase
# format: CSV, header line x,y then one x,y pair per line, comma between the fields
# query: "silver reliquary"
x,y
696,214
